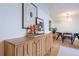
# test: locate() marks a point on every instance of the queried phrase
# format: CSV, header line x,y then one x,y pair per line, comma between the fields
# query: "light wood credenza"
x,y
24,46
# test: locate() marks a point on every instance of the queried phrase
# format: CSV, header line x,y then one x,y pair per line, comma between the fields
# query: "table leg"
x,y
58,36
63,39
72,40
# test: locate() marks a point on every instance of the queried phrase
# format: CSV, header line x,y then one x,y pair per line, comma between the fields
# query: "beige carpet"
x,y
66,51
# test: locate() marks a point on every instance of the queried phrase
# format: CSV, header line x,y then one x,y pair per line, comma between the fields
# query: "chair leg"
x,y
72,40
58,37
62,40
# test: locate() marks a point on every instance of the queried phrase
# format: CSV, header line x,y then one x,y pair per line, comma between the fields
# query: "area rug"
x,y
66,51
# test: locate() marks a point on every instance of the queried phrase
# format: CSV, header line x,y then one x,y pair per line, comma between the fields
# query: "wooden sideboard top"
x,y
20,40
16,41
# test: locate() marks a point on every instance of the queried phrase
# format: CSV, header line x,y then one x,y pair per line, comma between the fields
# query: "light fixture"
x,y
69,19
69,16
66,16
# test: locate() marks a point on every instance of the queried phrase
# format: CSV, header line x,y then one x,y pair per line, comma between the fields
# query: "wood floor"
x,y
58,43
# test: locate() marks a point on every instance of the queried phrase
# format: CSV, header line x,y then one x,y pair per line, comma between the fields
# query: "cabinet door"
x,y
34,48
30,47
47,43
38,48
47,47
20,50
43,46
51,40
25,49
9,49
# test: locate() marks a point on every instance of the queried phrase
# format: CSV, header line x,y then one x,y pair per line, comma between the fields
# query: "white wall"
x,y
68,26
64,26
11,21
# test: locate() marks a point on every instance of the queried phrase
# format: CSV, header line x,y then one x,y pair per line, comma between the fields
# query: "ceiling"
x,y
57,9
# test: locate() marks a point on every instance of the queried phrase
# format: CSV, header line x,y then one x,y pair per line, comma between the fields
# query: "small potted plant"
x,y
54,30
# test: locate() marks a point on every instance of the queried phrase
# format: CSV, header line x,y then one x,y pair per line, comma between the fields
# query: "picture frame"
x,y
29,14
40,25
50,29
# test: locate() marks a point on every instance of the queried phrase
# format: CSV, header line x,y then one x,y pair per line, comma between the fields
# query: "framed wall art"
x,y
40,25
50,23
29,14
